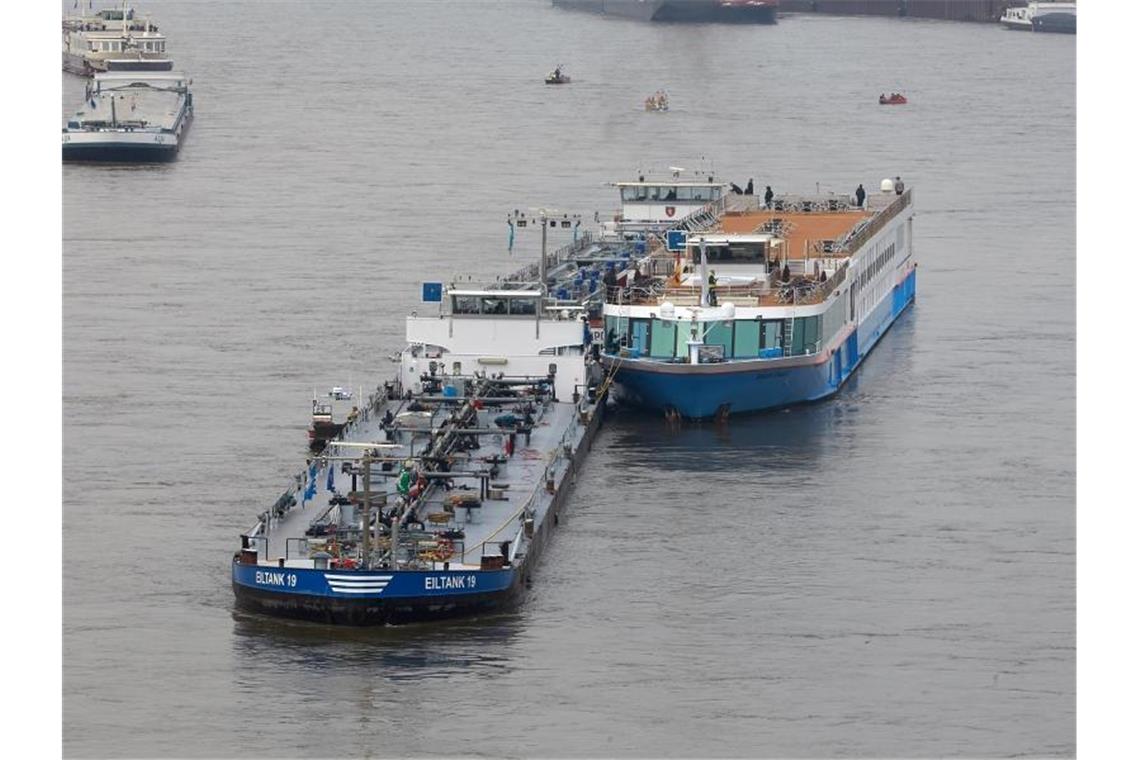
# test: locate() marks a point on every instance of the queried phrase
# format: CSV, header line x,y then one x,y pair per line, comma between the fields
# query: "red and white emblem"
x,y
670,210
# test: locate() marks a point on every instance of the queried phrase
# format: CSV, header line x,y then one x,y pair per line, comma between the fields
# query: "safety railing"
x,y
864,232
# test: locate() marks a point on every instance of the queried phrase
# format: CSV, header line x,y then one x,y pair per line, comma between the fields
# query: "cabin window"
x,y
684,193
520,305
639,336
701,194
684,332
464,305
494,305
663,339
806,335
746,342
771,336
616,328
720,334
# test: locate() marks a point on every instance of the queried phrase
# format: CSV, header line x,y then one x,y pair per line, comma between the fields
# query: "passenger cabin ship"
x,y
113,40
802,291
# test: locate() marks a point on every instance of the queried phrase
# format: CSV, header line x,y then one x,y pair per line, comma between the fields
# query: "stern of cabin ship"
x,y
742,388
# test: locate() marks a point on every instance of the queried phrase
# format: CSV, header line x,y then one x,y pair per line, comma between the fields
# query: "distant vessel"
x,y
745,305
658,101
895,99
717,11
1042,17
113,40
130,116
557,77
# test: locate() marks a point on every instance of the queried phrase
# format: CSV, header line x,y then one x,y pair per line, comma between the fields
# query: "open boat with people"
x,y
557,77
658,101
895,99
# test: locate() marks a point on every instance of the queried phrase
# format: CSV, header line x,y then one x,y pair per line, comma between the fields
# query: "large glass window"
x,y
720,334
662,341
639,337
808,327
494,305
771,338
798,337
521,305
684,193
684,332
464,305
615,332
746,342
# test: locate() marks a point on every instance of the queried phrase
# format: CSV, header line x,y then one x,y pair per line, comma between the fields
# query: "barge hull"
x,y
120,153
388,606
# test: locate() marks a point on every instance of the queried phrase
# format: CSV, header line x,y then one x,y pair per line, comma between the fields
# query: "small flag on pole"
x,y
510,237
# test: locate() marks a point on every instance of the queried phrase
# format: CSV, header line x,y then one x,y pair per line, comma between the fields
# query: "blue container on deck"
x,y
450,391
563,294
639,246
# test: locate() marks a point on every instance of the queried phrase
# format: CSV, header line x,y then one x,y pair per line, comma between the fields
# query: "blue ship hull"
x,y
750,386
373,597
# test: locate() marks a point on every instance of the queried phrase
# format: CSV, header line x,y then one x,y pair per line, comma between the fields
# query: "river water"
x,y
888,573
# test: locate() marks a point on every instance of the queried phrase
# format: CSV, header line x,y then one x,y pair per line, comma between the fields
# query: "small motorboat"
x,y
895,99
557,77
658,101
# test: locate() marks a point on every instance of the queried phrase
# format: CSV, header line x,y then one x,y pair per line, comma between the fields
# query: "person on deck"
x,y
786,275
768,196
898,186
748,188
860,195
712,289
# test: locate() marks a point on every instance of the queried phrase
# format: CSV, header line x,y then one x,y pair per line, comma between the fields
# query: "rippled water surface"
x,y
888,573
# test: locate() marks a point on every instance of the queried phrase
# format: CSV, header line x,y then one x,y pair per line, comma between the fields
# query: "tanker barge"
x,y
436,496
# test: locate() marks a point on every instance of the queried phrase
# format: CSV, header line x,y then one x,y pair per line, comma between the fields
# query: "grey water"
x,y
887,573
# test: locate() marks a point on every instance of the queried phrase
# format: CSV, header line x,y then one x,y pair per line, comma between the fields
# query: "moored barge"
x,y
130,117
436,497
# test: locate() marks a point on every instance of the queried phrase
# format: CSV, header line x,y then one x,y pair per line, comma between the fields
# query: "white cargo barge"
x,y
130,116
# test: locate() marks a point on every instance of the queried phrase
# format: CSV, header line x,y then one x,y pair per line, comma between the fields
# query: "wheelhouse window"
x,y
464,305
521,305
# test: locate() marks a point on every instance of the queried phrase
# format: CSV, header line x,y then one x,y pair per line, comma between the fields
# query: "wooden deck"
x,y
801,228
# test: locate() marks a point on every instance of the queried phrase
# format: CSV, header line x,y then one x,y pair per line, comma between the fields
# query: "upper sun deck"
x,y
794,251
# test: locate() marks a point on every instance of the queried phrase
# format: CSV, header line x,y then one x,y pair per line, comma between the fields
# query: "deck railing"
x,y
864,232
